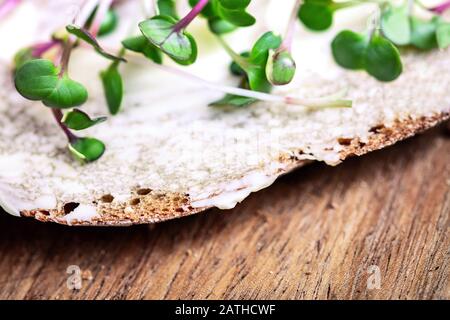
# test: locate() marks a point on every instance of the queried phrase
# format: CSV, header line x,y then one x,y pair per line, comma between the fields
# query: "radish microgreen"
x,y
77,119
41,70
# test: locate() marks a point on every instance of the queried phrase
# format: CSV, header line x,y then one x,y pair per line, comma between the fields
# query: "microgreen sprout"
x,y
280,68
42,70
170,35
39,77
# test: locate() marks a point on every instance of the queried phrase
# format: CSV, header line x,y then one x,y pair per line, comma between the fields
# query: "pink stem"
x,y
58,115
440,9
290,30
183,23
40,48
8,6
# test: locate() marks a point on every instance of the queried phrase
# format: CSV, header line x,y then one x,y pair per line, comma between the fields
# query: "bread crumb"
x,y
87,275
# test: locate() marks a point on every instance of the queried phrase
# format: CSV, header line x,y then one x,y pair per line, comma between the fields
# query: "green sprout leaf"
x,y
252,65
84,35
349,49
382,59
256,66
87,149
396,25
280,68
235,4
378,56
109,24
316,15
140,44
113,88
443,35
168,8
79,120
40,80
180,46
234,12
219,26
423,33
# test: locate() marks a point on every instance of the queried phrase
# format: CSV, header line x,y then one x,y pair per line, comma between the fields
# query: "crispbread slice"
x,y
170,155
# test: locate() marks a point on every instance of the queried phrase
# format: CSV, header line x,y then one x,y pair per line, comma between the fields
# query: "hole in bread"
x,y
135,202
143,192
107,198
345,141
70,206
377,129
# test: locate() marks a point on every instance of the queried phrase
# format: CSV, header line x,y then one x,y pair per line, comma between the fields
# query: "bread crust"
x,y
148,206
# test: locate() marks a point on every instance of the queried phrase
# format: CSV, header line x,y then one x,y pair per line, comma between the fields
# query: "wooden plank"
x,y
316,233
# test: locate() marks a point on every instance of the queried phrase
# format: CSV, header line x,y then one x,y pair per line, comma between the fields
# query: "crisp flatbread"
x,y
170,155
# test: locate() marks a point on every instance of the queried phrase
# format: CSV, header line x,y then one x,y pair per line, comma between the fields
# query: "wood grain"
x,y
314,234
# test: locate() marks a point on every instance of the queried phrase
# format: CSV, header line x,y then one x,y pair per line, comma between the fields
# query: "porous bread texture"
x,y
184,157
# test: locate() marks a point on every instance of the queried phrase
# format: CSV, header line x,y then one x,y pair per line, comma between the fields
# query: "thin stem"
x,y
40,48
86,12
64,63
290,30
308,103
183,23
58,115
242,62
100,14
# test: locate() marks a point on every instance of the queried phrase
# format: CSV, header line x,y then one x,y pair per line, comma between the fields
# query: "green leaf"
x,y
423,33
219,26
168,8
382,59
396,26
84,35
234,101
260,50
140,44
79,120
239,18
256,69
40,80
235,4
113,88
316,15
349,50
443,35
87,149
280,68
66,94
178,45
109,24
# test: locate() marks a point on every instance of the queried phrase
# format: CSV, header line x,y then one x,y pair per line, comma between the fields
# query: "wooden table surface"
x,y
317,233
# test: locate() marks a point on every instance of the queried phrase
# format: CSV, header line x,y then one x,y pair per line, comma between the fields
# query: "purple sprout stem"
x,y
183,23
290,30
40,48
58,115
440,9
7,6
